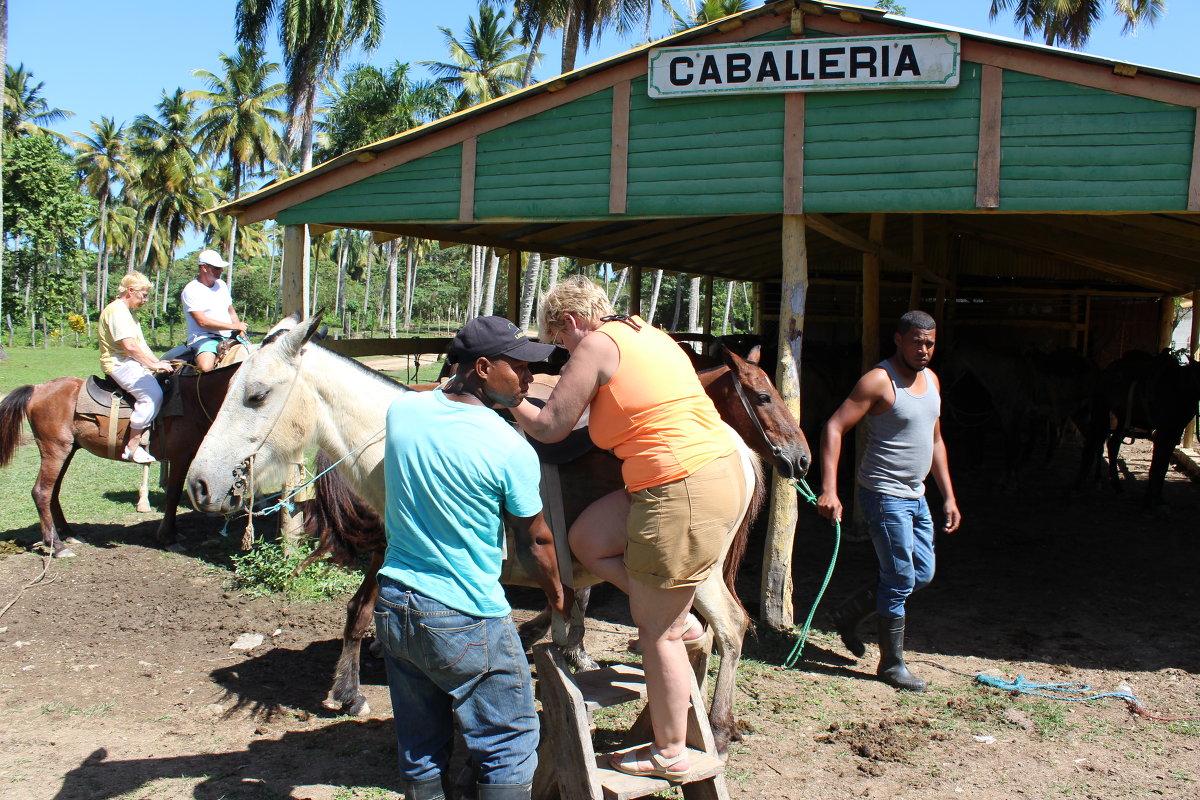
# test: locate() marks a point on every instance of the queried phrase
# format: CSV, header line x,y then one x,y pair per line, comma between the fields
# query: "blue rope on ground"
x,y
1048,690
805,492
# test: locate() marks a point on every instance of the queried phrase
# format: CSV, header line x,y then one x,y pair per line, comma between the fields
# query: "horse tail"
x,y
737,548
12,412
341,521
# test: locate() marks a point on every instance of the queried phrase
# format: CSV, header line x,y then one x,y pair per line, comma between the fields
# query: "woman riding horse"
x,y
127,359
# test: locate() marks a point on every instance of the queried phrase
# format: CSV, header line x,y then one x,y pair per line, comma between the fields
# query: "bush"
x,y
268,569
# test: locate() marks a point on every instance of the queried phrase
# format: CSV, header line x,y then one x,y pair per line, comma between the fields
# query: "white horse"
x,y
291,395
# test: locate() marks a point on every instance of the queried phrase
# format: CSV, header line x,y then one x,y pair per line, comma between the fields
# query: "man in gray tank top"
x,y
900,401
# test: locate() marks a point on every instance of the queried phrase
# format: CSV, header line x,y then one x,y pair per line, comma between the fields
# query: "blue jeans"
x,y
444,665
902,532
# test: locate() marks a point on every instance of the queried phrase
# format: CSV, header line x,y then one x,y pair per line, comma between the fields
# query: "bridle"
x,y
775,449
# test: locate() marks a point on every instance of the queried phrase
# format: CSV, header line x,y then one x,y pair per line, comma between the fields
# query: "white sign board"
x,y
926,61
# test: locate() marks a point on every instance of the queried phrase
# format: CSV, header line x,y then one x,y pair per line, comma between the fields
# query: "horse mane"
x,y
341,521
376,374
12,412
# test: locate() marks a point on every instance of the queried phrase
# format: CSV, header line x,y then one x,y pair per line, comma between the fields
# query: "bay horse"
x,y
291,394
1141,396
59,433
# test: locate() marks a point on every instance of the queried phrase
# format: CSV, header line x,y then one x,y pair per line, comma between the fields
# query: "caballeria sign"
x,y
928,61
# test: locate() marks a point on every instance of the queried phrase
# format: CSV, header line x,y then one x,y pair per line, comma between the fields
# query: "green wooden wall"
x,y
424,190
1063,148
1071,148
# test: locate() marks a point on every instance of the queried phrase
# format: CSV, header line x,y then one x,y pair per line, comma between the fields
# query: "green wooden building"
x,y
849,162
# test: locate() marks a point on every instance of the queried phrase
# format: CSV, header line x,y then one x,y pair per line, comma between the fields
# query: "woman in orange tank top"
x,y
659,538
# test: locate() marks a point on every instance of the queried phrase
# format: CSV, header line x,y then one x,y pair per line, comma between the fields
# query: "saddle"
x,y
104,397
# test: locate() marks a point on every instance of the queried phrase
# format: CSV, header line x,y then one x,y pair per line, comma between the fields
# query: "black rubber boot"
x,y
486,791
892,669
852,613
430,789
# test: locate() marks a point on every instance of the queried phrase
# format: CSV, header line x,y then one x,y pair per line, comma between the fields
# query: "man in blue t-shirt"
x,y
455,471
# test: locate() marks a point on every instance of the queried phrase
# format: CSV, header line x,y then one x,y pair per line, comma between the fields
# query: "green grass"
x,y
267,569
364,793
37,365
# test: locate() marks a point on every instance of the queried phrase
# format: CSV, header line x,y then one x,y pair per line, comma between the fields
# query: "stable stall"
x,y
850,162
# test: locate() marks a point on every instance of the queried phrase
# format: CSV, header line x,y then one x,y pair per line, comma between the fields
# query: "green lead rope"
x,y
805,492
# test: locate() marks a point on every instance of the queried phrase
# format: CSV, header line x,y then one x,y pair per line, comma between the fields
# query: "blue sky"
x,y
116,58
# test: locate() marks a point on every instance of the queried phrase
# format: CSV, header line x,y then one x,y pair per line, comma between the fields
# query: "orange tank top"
x,y
653,413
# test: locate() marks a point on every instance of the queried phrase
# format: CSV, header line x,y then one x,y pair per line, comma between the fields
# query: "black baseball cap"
x,y
496,336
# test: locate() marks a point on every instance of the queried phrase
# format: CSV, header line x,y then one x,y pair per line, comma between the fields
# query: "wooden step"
x,y
610,686
619,786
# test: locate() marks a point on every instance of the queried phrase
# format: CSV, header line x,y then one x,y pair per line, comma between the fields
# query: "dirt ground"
x,y
117,679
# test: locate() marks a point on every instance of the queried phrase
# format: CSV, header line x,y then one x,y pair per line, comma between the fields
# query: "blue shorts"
x,y
207,346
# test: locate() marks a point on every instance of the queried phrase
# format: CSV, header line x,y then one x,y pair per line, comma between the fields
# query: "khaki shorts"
x,y
678,530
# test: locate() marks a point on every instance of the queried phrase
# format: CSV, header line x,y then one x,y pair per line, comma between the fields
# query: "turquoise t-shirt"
x,y
451,469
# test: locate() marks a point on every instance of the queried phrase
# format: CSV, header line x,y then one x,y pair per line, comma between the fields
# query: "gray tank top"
x,y
899,448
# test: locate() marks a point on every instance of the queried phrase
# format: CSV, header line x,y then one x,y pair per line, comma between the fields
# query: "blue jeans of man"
x,y
444,665
902,532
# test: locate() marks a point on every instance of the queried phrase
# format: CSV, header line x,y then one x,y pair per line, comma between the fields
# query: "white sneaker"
x,y
138,456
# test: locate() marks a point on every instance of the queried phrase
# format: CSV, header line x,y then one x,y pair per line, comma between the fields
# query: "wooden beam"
x,y
635,291
1193,200
618,167
295,278
987,165
466,184
776,607
793,152
1166,325
843,235
870,297
514,284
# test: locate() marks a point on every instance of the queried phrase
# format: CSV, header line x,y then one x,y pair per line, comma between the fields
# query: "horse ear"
x,y
755,355
295,339
730,358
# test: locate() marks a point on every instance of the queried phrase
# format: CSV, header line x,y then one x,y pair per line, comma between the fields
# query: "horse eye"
x,y
764,398
257,398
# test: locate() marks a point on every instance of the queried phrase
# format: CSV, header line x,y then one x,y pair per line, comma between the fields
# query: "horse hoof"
x,y
64,553
73,540
358,708
144,509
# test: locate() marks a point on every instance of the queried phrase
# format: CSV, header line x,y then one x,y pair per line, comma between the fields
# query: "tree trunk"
x,y
410,279
104,292
655,285
365,311
393,257
489,297
150,236
552,273
570,41
729,287
679,276
339,301
529,288
694,306
527,78
233,229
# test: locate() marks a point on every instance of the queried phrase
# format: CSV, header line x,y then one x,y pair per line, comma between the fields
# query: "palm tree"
x,y
238,122
1068,23
163,145
26,112
314,35
376,104
103,158
486,63
708,11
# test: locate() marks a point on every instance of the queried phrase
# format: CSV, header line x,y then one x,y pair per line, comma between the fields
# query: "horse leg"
x,y
56,456
1164,444
143,501
346,696
65,531
728,623
573,649
1114,449
176,473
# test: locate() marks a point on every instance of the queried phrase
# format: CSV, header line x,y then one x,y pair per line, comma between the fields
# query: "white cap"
x,y
213,259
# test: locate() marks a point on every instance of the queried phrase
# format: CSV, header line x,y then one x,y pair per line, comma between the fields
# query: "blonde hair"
x,y
575,295
134,281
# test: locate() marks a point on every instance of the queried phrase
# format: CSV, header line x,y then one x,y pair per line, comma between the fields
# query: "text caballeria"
x,y
810,65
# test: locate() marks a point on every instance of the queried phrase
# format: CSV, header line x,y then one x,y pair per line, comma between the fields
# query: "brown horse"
x,y
59,433
748,402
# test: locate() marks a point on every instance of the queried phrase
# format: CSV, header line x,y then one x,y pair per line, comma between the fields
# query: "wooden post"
x,y
514,284
1166,321
870,339
635,291
291,525
777,559
1189,433
295,268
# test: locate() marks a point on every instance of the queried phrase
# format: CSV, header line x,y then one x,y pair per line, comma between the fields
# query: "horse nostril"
x,y
200,490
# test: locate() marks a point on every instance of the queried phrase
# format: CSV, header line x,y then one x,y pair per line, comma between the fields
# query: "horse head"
x,y
263,425
765,424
